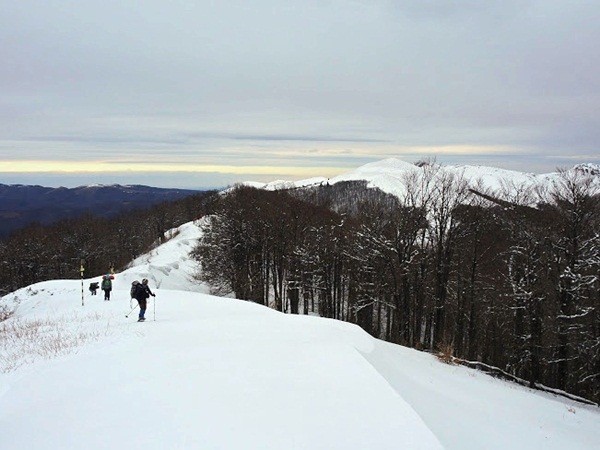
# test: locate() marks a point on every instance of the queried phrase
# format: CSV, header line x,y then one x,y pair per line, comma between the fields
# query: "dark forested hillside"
x,y
22,205
37,253
492,281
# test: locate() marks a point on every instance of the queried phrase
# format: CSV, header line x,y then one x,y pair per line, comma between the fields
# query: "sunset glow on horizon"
x,y
137,167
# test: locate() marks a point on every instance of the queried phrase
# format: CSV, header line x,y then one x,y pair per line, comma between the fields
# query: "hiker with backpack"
x,y
141,292
94,287
107,285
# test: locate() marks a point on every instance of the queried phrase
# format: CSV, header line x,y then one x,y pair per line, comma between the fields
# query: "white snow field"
x,y
220,373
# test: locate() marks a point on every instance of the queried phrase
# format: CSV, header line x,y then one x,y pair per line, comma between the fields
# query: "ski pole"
x,y
155,307
127,315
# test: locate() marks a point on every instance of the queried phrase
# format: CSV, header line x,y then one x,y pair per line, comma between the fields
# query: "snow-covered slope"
x,y
218,373
392,176
169,266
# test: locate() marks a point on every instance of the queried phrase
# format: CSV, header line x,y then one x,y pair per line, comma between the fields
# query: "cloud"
x,y
307,84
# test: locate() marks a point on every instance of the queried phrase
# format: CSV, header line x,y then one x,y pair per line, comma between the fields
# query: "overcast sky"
x,y
205,93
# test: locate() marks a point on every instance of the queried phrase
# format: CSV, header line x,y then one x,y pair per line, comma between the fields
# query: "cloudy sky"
x,y
205,93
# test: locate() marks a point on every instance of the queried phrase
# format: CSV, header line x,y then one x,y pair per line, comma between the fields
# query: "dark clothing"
x,y
143,304
143,292
107,286
93,288
141,295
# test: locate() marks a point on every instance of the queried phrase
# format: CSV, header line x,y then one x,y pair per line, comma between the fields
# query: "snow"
x,y
220,373
254,184
495,178
315,181
467,409
169,266
392,175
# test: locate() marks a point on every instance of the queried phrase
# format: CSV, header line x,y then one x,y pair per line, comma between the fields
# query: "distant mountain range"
x,y
21,205
392,176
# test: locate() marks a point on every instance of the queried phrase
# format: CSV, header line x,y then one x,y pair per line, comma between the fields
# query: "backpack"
x,y
134,288
106,283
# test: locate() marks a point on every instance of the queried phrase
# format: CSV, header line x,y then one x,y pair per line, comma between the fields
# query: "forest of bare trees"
x,y
37,253
494,279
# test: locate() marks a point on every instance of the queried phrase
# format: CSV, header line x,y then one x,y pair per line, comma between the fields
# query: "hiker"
x,y
94,287
107,285
142,293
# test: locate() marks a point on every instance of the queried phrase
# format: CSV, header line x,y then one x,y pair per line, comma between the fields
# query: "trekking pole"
x,y
127,315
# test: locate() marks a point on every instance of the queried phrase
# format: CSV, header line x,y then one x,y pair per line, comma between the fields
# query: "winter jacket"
x,y
143,292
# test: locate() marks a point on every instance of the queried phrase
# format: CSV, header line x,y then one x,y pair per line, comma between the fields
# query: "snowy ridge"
x,y
213,372
168,266
392,176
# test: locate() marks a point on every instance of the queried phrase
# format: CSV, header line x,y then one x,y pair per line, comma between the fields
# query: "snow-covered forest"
x,y
504,277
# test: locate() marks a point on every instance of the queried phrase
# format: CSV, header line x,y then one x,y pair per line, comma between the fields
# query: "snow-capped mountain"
x,y
207,372
393,175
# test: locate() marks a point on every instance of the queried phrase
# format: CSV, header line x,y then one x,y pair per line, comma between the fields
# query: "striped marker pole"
x,y
81,270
